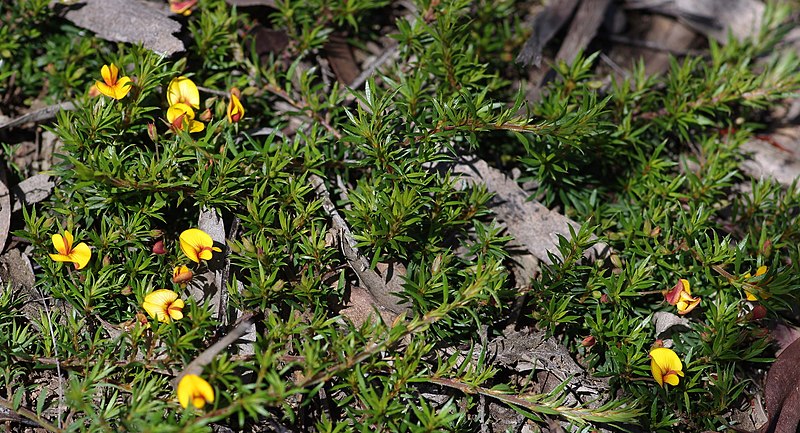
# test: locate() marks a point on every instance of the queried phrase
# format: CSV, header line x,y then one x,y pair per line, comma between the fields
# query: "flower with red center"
x,y
197,245
753,288
681,296
163,305
79,254
665,366
194,390
113,85
235,109
181,117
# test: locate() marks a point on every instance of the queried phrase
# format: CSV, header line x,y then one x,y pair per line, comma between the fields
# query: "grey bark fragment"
x,y
534,226
131,21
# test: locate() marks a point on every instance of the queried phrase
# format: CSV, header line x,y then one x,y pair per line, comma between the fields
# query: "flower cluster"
x,y
183,97
163,305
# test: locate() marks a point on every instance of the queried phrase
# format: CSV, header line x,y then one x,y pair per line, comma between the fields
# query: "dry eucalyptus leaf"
x,y
783,392
131,21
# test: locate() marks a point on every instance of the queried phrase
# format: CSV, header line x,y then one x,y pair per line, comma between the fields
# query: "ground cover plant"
x,y
301,222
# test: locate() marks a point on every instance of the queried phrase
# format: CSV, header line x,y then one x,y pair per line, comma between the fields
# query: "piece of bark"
x,y
545,25
774,155
214,291
528,350
583,28
131,21
713,18
32,190
534,227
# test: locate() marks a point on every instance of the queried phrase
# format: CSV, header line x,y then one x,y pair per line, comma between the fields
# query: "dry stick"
x,y
39,115
29,414
205,358
369,278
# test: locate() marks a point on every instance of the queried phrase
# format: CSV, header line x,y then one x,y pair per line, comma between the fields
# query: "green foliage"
x,y
648,164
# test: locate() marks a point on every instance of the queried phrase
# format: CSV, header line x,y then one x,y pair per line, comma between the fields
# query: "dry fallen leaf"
x,y
783,392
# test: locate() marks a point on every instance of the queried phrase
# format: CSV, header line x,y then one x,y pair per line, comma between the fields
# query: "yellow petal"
x,y
179,109
122,88
63,243
235,109
761,270
750,297
108,77
60,258
656,371
80,255
671,379
183,90
686,286
195,390
175,310
195,126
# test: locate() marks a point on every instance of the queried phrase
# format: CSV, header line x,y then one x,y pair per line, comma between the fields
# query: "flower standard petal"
x,y
63,243
195,390
183,90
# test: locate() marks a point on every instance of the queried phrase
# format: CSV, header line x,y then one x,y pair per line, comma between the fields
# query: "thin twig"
x,y
371,280
39,115
205,358
29,414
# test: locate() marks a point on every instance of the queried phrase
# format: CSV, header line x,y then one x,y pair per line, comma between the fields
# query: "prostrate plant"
x,y
649,163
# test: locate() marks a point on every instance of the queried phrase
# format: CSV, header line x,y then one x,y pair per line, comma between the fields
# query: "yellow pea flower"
x,y
181,275
681,296
235,109
113,85
195,390
750,295
665,366
79,254
163,305
181,116
197,245
183,90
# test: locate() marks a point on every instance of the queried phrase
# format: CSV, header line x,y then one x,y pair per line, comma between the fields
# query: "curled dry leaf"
x,y
783,392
